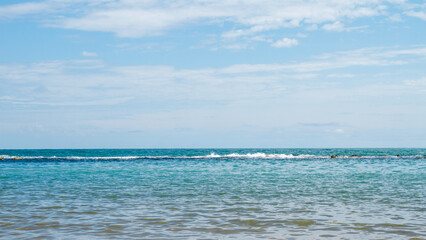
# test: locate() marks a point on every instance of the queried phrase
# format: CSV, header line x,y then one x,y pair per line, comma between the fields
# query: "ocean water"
x,y
213,194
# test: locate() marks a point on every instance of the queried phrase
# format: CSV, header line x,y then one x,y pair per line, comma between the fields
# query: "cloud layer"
x,y
91,82
283,101
164,68
128,18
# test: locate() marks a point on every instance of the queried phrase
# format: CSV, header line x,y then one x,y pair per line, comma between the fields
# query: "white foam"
x,y
257,155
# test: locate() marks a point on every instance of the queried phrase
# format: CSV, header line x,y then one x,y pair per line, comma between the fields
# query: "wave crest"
x,y
212,155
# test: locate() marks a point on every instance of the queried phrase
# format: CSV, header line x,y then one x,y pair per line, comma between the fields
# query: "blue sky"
x,y
191,73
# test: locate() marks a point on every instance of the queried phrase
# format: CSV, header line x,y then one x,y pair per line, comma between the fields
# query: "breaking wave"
x,y
213,155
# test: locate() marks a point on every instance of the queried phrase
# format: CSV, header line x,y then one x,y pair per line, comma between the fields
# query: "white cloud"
x,y
418,84
135,19
340,27
245,97
336,26
89,54
91,82
418,14
15,10
146,18
285,42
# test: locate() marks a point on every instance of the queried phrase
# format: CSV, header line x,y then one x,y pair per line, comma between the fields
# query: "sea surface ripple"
x,y
213,193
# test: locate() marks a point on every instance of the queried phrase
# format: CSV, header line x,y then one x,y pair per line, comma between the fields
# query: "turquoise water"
x,y
213,193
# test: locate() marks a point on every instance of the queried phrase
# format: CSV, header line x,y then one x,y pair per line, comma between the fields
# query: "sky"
x,y
212,73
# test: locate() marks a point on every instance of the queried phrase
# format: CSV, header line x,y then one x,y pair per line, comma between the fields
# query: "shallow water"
x,y
213,193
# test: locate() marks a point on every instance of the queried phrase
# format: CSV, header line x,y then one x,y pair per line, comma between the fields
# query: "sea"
x,y
213,194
